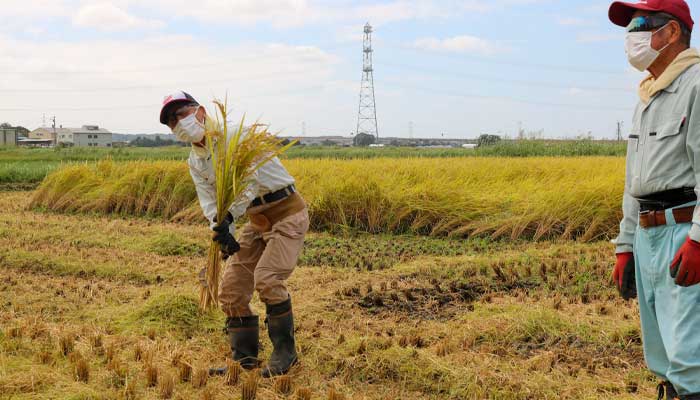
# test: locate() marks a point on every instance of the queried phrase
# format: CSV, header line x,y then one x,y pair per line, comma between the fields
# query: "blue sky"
x,y
457,68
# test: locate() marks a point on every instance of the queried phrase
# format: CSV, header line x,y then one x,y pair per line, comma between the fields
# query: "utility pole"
x,y
410,129
303,128
619,131
53,125
521,132
367,114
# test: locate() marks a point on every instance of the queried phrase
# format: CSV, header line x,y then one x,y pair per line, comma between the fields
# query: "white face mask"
x,y
189,129
639,51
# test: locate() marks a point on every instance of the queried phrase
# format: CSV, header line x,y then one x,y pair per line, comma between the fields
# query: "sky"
x,y
448,68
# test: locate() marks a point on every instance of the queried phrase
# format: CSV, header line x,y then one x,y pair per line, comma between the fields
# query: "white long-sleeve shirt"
x,y
663,151
270,177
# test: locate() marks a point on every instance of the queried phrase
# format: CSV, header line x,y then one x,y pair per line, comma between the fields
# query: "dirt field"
x,y
95,308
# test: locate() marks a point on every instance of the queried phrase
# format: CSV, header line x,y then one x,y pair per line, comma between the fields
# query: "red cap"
x,y
173,100
620,12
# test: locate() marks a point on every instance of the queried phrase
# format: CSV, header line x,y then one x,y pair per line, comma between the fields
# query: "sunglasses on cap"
x,y
179,112
647,23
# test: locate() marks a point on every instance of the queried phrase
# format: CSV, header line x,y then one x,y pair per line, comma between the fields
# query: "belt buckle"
x,y
644,216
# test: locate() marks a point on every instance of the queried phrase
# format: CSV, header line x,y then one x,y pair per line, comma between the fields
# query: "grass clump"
x,y
174,313
170,244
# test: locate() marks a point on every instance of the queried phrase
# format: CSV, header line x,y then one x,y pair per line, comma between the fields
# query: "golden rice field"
x,y
529,198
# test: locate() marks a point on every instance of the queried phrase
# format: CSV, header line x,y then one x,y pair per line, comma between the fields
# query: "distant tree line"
x,y
142,141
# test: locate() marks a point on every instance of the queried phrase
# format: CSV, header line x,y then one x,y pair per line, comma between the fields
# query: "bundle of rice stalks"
x,y
249,388
82,370
303,394
233,372
166,386
185,371
283,385
200,377
14,332
66,342
151,372
236,155
333,395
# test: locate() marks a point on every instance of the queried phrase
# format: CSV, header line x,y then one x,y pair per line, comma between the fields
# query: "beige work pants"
x,y
264,263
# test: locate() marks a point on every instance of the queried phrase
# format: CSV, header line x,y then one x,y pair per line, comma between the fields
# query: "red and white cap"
x,y
621,12
172,101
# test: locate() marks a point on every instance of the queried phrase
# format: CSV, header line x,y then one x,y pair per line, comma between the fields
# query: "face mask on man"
x,y
639,51
189,129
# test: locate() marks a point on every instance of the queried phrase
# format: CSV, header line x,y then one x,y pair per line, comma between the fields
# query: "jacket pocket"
x,y
665,148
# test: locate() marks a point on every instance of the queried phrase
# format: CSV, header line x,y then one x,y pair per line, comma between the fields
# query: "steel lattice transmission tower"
x,y
367,115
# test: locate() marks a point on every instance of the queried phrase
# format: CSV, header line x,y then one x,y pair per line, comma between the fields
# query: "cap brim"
x,y
620,12
170,108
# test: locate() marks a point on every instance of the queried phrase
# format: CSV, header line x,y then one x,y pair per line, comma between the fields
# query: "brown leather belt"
x,y
650,219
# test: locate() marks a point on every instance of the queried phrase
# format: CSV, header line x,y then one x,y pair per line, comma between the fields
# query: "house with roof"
x,y
85,136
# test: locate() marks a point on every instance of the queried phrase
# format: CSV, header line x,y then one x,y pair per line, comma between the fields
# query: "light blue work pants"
x,y
670,313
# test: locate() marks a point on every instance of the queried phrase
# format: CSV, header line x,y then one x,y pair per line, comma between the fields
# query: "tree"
x,y
363,139
142,141
487,140
5,125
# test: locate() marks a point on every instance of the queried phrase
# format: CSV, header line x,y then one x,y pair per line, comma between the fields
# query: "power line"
x,y
157,104
484,78
518,64
148,87
507,98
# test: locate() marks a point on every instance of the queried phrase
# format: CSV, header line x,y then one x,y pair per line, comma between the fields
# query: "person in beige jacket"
x,y
266,252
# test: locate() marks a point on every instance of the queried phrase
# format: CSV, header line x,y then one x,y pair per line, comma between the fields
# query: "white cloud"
x,y
113,14
120,83
33,8
574,91
598,37
108,17
459,44
282,13
571,21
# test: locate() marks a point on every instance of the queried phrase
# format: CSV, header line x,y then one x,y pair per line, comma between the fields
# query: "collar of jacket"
x,y
668,80
201,152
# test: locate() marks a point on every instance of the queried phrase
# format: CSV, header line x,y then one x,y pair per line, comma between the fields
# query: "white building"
x,y
91,136
85,136
8,137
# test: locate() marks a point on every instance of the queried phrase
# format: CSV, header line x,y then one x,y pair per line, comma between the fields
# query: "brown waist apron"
x,y
267,215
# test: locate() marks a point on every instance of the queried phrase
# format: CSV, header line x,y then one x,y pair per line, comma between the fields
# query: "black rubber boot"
x,y
280,327
244,333
666,389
